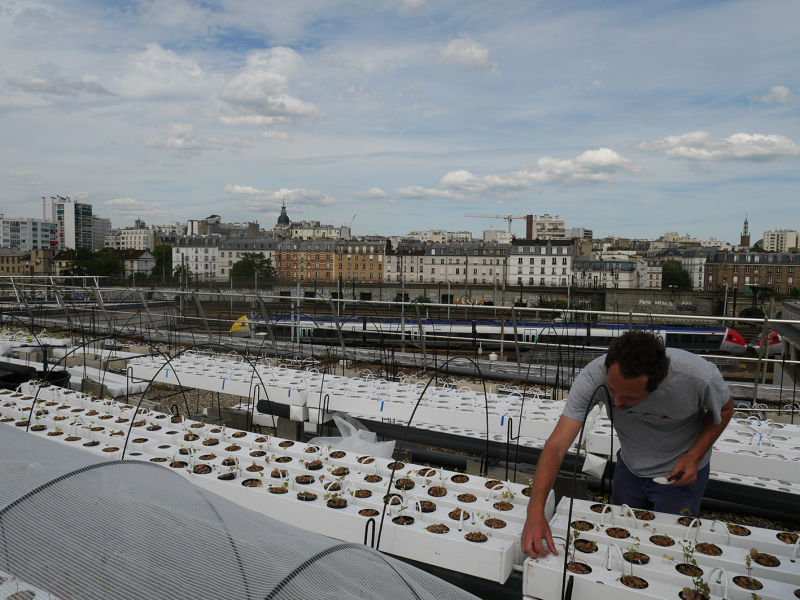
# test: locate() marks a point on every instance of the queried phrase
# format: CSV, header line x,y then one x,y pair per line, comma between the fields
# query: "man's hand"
x,y
687,464
536,528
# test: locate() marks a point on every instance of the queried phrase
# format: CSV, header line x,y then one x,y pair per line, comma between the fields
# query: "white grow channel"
x,y
464,523
666,551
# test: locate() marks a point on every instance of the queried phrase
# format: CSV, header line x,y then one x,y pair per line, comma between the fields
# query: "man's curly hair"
x,y
639,353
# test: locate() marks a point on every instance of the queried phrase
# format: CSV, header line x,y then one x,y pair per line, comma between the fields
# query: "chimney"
x,y
529,227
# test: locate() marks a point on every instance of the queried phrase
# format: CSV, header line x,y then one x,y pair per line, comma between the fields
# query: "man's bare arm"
x,y
536,526
709,432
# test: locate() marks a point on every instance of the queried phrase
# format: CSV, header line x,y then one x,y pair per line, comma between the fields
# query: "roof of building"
x,y
283,219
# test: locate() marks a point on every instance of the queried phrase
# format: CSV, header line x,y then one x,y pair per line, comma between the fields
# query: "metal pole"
x,y
764,330
725,304
402,306
449,299
764,373
516,338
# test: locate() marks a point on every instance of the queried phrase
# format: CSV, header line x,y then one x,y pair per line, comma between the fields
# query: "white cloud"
x,y
130,207
257,95
60,86
593,166
29,177
183,138
275,135
375,192
157,73
269,201
407,7
469,55
778,94
700,146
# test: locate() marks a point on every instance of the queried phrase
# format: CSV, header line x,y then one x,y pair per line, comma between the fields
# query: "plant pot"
x,y
425,471
258,453
304,479
178,464
227,476
183,452
233,448
154,428
314,465
210,442
252,483
787,537
585,546
191,437
276,473
766,560
689,570
427,506
438,528
708,549
254,469
365,460
467,498
156,460
341,472
503,506
456,514
662,540
307,497
581,525
140,440
55,433
92,444
339,503
459,479
395,466
636,558
239,435
393,499
72,438
363,494
278,490
403,520
202,469
617,533
748,583
373,478
286,444
634,582
21,424
686,521
208,457
283,459
368,512
38,428
437,491
738,530
228,462
338,454
404,484
110,449
476,536
579,568
493,523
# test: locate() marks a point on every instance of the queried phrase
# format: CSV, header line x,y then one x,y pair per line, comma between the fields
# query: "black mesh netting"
x,y
80,527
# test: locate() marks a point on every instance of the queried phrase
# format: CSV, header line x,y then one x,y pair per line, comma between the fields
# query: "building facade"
x,y
361,260
100,229
546,227
781,240
27,234
138,237
745,271
231,250
540,262
74,222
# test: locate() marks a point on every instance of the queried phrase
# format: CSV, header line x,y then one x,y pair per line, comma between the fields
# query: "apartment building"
x,y
75,225
361,260
101,227
546,227
200,254
313,230
781,240
231,250
540,262
138,237
27,234
474,262
622,271
439,236
745,271
14,262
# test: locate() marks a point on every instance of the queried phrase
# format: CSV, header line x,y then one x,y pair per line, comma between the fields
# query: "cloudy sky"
x,y
630,118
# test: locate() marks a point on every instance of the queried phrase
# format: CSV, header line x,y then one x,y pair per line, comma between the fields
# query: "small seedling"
x,y
686,512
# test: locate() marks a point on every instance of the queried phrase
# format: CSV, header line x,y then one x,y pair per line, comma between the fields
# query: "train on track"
x,y
466,334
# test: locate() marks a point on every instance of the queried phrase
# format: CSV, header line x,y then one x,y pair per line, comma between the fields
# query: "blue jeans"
x,y
643,493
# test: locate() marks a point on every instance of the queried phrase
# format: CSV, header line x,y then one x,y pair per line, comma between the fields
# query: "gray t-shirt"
x,y
658,431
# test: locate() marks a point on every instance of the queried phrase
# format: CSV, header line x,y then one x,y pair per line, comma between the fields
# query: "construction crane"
x,y
508,218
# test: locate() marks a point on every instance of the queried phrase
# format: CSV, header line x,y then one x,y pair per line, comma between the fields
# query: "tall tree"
x,y
103,263
672,274
251,263
163,254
